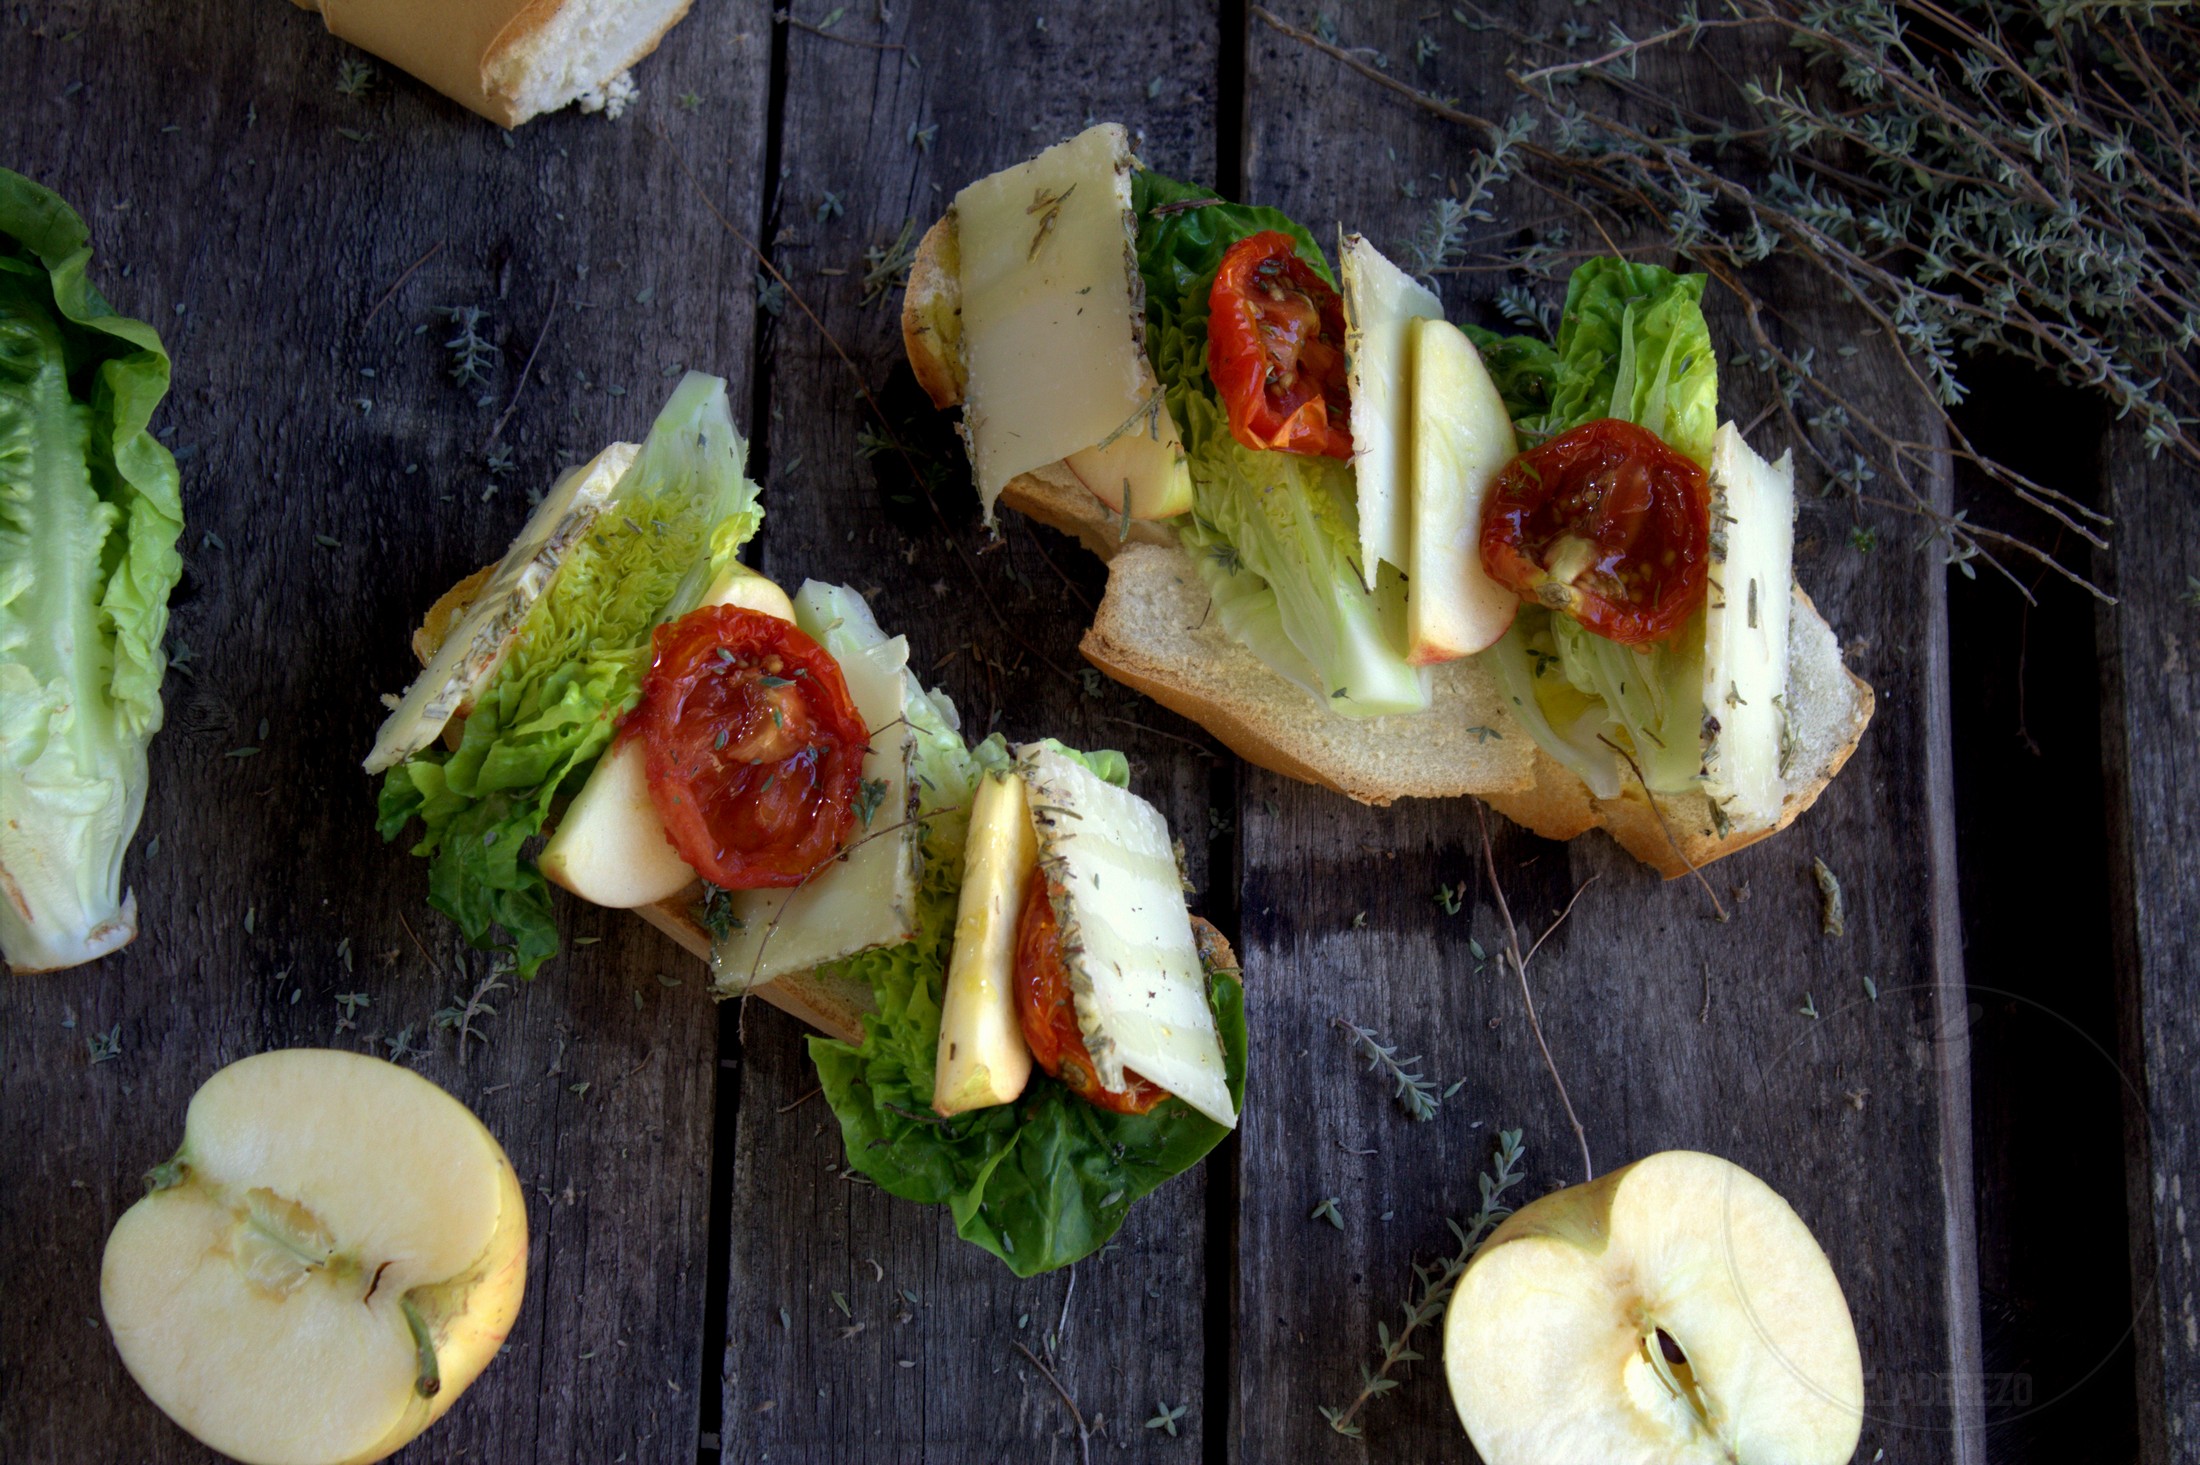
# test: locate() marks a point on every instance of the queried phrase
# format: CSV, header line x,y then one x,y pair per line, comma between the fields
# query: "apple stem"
x,y
429,1381
165,1176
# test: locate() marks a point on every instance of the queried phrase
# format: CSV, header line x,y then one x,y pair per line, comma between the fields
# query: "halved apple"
x,y
982,1057
1675,1310
610,847
332,1257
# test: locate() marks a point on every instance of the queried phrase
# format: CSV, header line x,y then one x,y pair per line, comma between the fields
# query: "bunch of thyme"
x,y
1435,1281
1977,176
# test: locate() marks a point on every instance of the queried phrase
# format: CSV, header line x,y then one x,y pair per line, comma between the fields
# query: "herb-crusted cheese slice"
x,y
866,898
1381,303
1053,310
1746,632
476,646
1134,968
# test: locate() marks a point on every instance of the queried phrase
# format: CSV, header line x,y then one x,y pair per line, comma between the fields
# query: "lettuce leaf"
x,y
1633,343
676,519
1041,1182
90,513
1524,369
1275,535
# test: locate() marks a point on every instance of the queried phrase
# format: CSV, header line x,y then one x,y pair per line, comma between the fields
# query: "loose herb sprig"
x,y
1435,1281
473,355
459,1016
1415,1094
886,266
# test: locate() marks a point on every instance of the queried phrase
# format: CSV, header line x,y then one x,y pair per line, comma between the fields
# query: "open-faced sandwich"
x,y
1370,549
763,777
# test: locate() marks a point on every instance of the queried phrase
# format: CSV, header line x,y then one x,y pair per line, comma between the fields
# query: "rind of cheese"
x,y
1462,439
1127,943
867,897
1053,309
982,1057
477,645
1746,632
1381,303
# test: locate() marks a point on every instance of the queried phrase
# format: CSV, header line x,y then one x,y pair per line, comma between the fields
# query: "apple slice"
x,y
1675,1310
1462,439
982,1056
610,848
1143,466
332,1257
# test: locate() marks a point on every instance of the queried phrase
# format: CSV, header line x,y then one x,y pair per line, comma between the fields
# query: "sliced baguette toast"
x,y
1154,632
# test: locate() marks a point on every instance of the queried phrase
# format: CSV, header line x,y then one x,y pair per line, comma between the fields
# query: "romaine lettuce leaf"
x,y
1524,369
677,517
1276,535
1041,1182
90,512
1633,343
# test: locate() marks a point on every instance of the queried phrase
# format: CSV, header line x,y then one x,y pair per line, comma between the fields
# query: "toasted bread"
x,y
510,60
1154,632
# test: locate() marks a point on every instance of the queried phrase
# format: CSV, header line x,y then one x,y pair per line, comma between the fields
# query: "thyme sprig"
x,y
473,356
1975,177
1415,1094
460,1016
1434,1284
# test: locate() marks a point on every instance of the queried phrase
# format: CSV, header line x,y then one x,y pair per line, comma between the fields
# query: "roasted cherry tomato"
x,y
753,750
1275,348
1606,523
1049,1014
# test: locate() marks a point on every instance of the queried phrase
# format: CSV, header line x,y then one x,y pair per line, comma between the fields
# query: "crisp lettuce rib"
x,y
90,513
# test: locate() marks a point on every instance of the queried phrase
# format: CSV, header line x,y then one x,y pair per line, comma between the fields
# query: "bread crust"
x,y
459,47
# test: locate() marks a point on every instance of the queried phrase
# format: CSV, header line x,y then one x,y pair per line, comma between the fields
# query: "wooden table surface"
x,y
706,1279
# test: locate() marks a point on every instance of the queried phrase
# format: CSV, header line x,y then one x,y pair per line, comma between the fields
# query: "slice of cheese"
x,y
1462,439
982,1057
1745,662
1053,310
1381,303
610,846
474,648
1134,969
867,897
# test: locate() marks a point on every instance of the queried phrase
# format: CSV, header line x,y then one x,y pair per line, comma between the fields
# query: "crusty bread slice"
x,y
833,1005
510,60
1155,632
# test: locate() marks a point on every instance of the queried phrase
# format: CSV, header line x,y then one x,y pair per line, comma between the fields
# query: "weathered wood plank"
x,y
230,207
873,140
2150,676
1672,1031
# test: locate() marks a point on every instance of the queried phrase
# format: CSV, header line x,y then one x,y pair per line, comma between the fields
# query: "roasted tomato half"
x,y
753,749
1606,523
1275,349
1049,1015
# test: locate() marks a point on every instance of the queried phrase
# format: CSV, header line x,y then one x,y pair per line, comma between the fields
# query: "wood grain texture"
x,y
2150,666
932,1373
1673,1031
334,484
